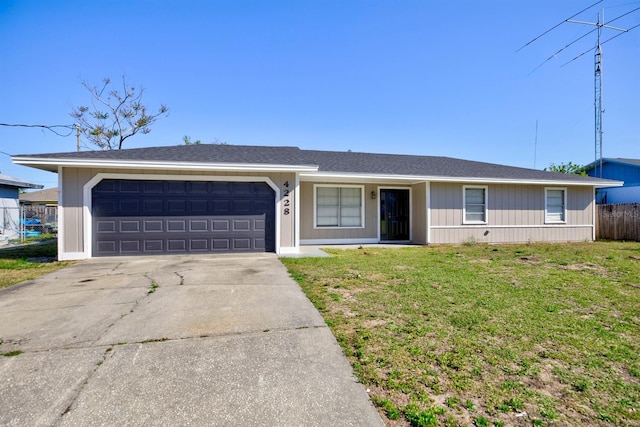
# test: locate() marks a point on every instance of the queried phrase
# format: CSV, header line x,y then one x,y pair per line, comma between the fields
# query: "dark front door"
x,y
394,214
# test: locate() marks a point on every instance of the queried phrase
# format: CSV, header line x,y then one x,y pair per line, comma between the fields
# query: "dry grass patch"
x,y
488,335
22,263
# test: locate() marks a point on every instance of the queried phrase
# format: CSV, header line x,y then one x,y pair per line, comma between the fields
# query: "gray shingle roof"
x,y
210,153
47,195
398,164
16,182
327,161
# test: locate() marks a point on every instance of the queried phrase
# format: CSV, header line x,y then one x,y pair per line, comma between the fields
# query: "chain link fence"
x,y
18,224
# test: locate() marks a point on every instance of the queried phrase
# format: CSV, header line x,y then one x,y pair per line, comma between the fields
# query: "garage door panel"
x,y
130,186
128,207
107,247
152,206
153,187
221,207
242,206
182,217
242,188
199,245
199,187
221,188
177,187
198,225
221,244
261,204
178,207
241,224
105,226
175,225
105,187
151,226
241,244
105,207
153,246
130,226
129,246
177,245
220,225
199,207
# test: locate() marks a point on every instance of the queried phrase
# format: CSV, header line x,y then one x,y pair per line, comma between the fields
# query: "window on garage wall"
x,y
339,206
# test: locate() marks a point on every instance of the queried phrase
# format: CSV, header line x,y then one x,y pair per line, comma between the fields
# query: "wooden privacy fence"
x,y
618,222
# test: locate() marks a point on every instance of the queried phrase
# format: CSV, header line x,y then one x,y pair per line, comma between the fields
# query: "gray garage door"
x,y
135,217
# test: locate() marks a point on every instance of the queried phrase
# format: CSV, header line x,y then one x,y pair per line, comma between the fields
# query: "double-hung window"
x,y
475,205
555,205
339,206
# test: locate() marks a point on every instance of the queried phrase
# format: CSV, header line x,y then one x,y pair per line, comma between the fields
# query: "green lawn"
x,y
22,263
488,335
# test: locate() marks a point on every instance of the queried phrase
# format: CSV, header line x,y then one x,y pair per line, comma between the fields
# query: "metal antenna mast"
x,y
599,110
599,25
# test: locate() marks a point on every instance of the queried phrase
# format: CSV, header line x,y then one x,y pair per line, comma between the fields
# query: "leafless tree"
x,y
114,115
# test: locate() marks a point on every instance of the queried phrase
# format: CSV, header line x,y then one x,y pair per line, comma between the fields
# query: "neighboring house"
x,y
223,198
626,170
46,197
41,207
9,205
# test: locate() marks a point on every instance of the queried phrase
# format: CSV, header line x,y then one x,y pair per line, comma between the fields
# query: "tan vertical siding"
x,y
515,214
308,232
419,213
72,204
511,235
515,211
446,204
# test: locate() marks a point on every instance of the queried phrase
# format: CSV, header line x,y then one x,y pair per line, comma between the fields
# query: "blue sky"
x,y
414,77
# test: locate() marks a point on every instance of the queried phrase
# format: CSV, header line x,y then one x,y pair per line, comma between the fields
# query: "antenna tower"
x,y
599,110
599,25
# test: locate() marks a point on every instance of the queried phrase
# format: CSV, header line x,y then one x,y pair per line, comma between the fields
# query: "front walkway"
x,y
310,251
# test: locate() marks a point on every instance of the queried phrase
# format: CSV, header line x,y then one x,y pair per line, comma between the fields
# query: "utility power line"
x,y
74,127
50,128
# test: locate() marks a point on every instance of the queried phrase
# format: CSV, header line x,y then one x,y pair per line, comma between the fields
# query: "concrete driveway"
x,y
187,340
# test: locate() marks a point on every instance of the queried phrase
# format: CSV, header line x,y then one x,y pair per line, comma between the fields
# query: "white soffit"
x,y
413,179
53,163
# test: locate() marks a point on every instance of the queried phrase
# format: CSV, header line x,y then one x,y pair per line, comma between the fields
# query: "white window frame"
x,y
486,204
546,205
333,227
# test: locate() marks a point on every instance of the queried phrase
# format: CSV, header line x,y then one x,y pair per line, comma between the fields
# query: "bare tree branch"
x,y
115,115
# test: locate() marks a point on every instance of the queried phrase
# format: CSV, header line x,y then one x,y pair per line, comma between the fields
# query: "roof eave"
x,y
52,164
20,184
307,172
596,164
341,176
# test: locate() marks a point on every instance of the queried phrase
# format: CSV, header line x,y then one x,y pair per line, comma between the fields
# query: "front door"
x,y
394,214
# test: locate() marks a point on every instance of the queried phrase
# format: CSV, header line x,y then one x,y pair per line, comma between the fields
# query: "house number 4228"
x,y
286,201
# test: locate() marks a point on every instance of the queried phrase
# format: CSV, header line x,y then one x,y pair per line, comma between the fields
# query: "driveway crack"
x,y
181,278
74,398
152,288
